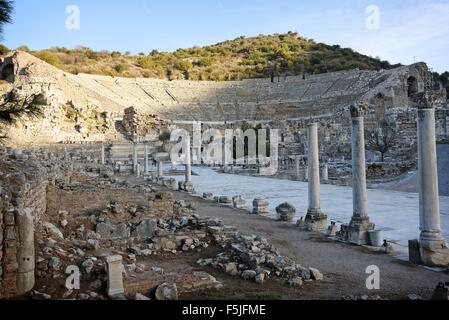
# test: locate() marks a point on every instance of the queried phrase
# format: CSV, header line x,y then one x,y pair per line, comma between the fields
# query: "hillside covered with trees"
x,y
241,58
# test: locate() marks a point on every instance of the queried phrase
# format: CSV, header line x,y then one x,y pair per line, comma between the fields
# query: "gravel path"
x,y
343,265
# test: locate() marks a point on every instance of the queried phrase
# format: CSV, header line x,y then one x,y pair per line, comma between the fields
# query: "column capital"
x,y
358,110
424,100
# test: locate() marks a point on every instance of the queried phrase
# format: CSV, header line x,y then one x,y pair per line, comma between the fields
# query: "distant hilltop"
x,y
242,58
87,107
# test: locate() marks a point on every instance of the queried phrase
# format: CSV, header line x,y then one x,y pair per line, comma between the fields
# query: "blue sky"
x,y
410,30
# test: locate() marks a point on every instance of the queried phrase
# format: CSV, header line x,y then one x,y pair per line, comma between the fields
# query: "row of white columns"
x,y
316,220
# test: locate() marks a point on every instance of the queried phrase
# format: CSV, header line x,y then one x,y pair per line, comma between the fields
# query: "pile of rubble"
x,y
253,258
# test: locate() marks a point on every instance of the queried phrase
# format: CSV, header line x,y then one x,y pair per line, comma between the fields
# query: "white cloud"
x,y
419,32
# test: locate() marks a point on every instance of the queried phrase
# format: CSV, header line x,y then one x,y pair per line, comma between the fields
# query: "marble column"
x,y
432,245
316,220
146,166
297,168
358,232
188,186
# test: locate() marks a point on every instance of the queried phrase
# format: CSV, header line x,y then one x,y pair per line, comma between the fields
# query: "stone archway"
x,y
412,86
380,108
7,72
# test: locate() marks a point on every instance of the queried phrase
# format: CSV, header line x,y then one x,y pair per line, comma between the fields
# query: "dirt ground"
x,y
343,265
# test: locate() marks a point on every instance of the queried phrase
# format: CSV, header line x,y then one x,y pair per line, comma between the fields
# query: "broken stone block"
x,y
141,297
225,200
315,274
238,202
88,265
145,230
249,274
115,275
286,212
208,196
295,282
301,223
260,206
413,252
108,231
167,291
332,230
260,278
231,269
53,230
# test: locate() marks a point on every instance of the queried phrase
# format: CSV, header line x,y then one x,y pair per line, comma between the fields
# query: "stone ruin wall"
x,y
25,176
288,101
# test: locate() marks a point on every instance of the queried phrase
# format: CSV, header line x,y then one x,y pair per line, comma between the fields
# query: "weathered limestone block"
x,y
238,202
208,196
145,230
109,231
286,212
172,184
332,230
225,200
167,291
114,268
260,206
188,187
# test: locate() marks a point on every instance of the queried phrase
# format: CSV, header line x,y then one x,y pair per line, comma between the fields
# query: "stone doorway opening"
x,y
412,86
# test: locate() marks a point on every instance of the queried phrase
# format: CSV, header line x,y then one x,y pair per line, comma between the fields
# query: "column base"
x,y
433,252
316,220
358,231
188,187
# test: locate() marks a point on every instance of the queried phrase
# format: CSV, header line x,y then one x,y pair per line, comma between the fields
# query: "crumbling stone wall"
x,y
139,124
24,178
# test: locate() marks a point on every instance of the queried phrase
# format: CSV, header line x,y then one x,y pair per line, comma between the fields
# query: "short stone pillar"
x,y
160,169
138,170
325,173
433,248
173,184
238,202
146,168
134,158
260,206
315,220
188,186
360,225
102,156
298,171
114,268
25,251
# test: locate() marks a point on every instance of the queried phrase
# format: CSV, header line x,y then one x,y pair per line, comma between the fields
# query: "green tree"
x,y
50,58
120,68
24,48
16,107
6,11
4,50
